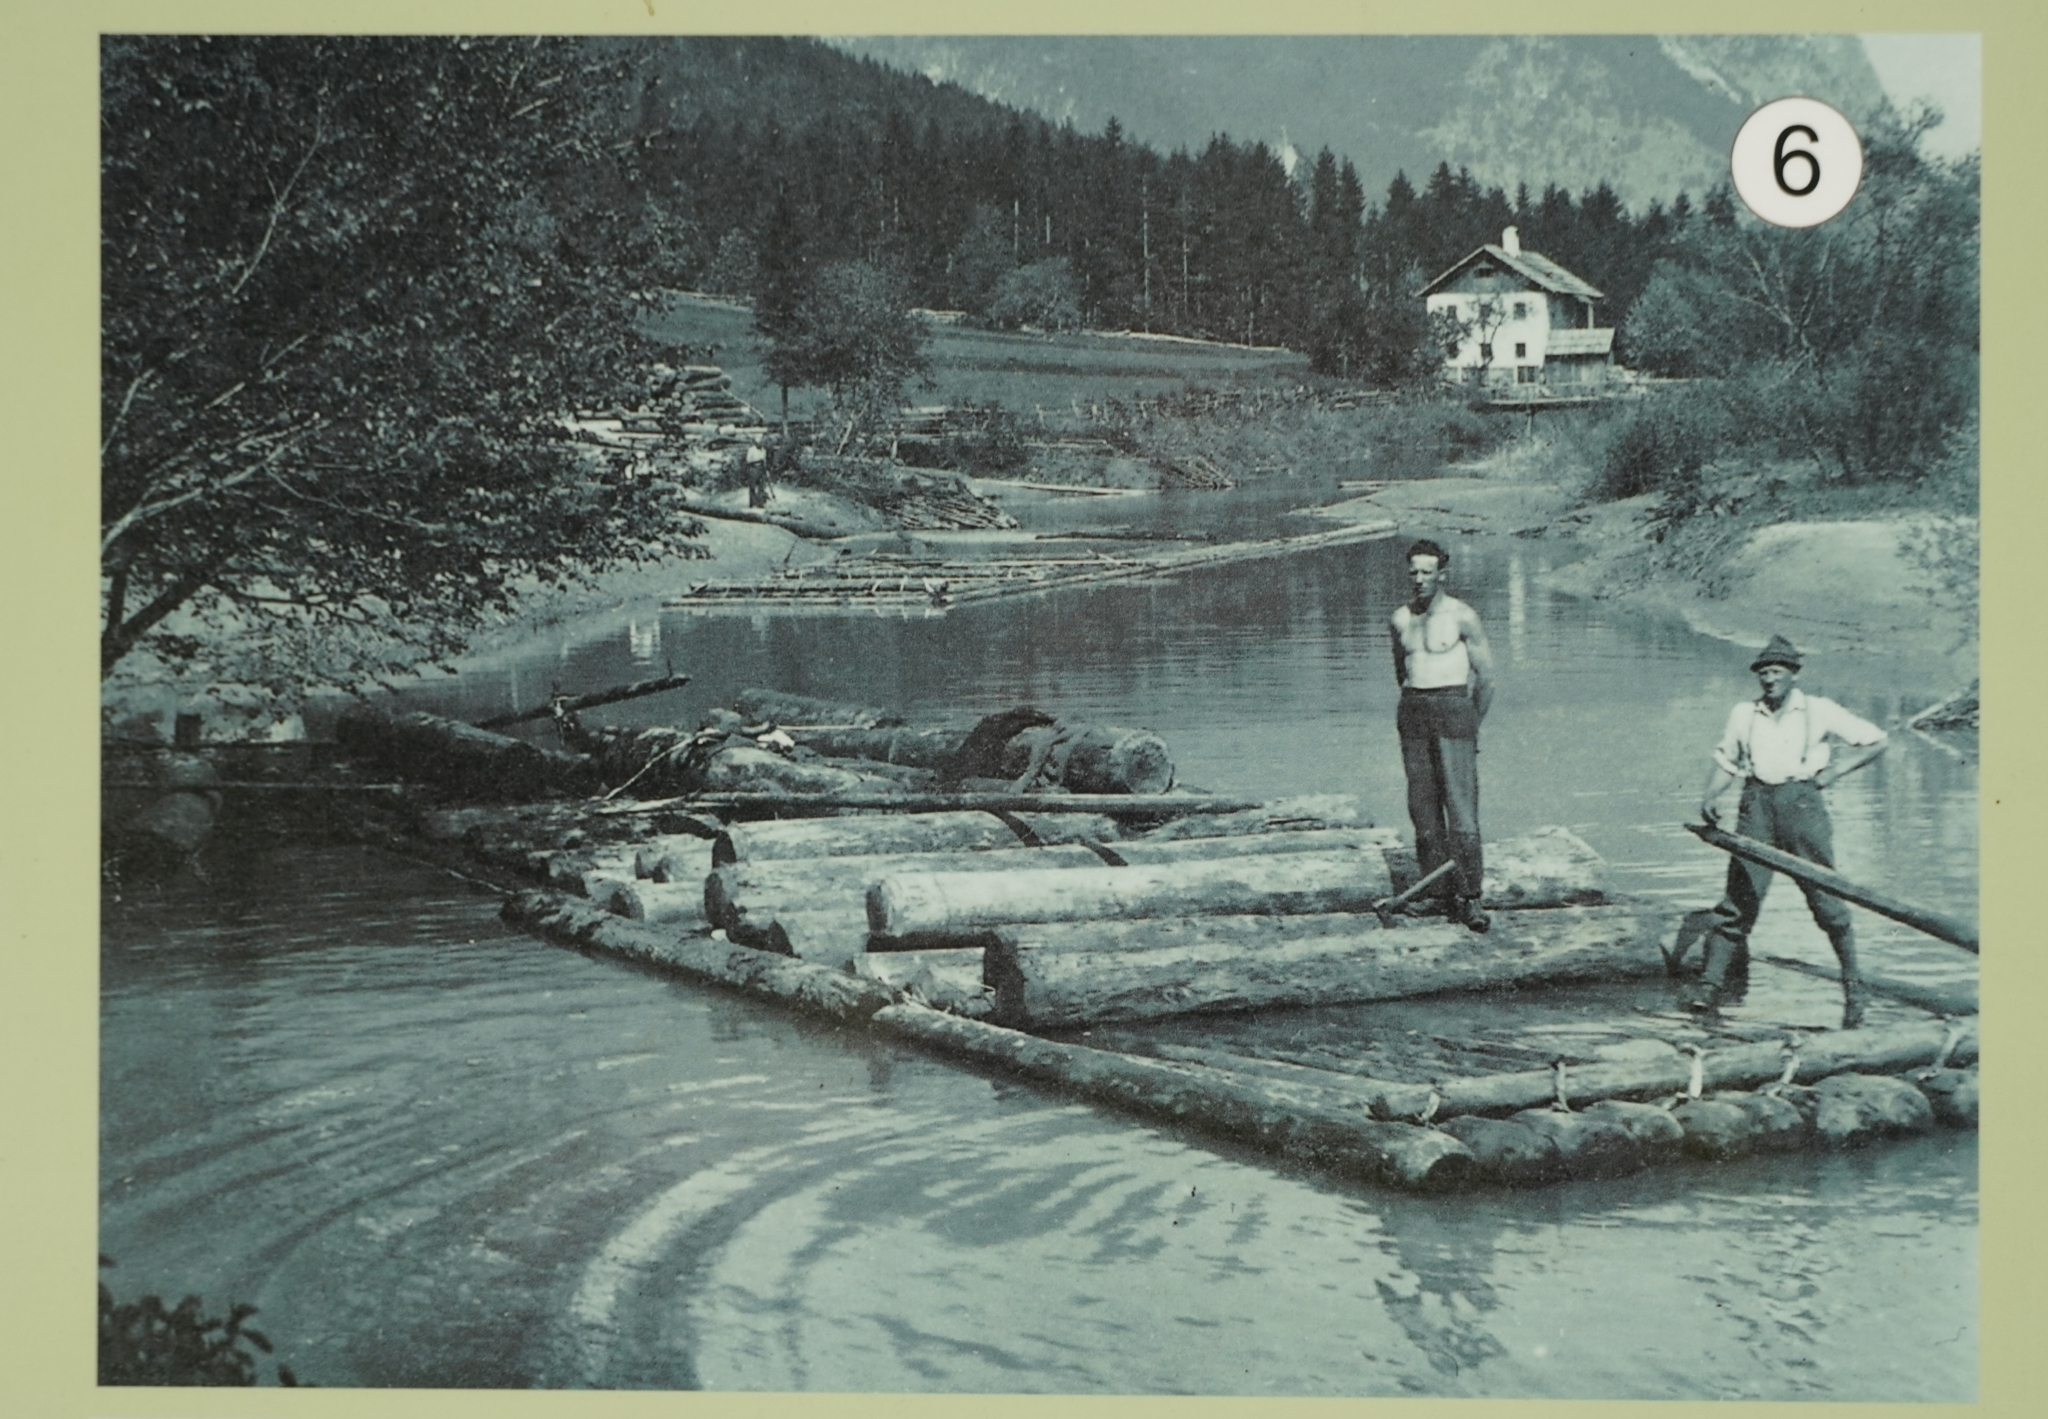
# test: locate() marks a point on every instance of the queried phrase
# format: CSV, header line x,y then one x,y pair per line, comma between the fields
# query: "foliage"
x,y
852,333
1852,344
1660,444
736,270
1376,341
993,443
1042,295
349,285
144,1343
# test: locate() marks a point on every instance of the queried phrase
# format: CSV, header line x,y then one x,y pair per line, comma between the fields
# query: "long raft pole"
x,y
569,704
1162,804
1936,924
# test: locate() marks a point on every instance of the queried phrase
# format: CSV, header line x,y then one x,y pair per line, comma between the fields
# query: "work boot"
x,y
1704,999
1855,995
1465,911
1855,1000
1471,864
1737,978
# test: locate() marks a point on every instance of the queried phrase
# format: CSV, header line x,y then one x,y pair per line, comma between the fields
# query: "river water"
x,y
438,1153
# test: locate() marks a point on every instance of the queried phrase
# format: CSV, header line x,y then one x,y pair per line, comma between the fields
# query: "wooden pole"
x,y
572,703
799,804
1936,924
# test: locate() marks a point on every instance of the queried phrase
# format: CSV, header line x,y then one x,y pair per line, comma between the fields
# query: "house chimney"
x,y
1511,242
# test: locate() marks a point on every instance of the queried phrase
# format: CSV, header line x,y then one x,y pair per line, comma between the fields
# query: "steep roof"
x,y
1539,269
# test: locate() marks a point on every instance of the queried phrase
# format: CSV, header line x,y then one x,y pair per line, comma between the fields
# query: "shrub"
x,y
1662,443
144,1343
992,443
1042,294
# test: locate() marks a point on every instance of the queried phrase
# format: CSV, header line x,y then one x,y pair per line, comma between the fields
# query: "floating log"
x,y
1654,1130
1509,1152
756,891
1037,987
456,756
1715,1129
1881,1049
1089,758
737,769
1739,1067
570,704
1401,1155
945,980
1849,1110
800,804
870,834
953,903
656,903
1018,744
1305,812
775,706
830,937
1937,924
1952,1092
1590,1145
1545,868
931,747
804,986
1255,874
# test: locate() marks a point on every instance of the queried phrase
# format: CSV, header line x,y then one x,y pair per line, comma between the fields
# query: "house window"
x,y
1451,350
1525,374
1521,311
1485,351
1521,350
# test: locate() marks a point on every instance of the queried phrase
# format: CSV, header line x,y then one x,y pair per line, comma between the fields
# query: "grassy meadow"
x,y
1056,378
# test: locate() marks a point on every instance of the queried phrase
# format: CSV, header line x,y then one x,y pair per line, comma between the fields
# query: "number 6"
x,y
1779,157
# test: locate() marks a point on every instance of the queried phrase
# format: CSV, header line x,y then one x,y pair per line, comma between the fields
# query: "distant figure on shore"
x,y
1776,746
1445,670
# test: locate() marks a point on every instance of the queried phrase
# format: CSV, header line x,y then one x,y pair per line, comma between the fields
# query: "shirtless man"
x,y
1445,671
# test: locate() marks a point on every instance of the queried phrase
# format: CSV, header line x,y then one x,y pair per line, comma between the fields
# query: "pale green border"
x,y
48,879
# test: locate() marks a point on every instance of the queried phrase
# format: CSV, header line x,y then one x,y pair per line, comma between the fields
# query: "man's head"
x,y
1776,666
1427,563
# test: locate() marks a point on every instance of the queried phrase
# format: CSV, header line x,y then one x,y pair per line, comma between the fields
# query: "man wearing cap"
x,y
1776,746
1445,670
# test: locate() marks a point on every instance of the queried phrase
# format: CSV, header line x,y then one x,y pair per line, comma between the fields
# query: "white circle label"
x,y
1797,162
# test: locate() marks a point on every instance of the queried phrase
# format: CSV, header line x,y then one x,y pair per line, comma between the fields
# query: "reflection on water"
x,y
437,1153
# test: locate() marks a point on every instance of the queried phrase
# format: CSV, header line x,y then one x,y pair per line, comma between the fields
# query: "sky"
x,y
1946,68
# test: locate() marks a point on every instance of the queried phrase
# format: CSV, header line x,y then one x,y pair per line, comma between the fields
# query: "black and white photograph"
x,y
981,714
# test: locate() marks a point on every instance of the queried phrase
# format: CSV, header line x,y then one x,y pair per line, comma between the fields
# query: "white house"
x,y
1524,319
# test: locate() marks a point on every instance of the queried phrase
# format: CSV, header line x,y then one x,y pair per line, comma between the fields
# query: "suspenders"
x,y
1808,745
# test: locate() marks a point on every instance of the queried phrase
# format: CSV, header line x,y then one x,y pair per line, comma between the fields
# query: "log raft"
x,y
984,984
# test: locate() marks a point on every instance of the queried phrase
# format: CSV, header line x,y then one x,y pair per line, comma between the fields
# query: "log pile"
x,y
690,408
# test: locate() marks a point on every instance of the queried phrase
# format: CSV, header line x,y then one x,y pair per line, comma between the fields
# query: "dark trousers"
x,y
1794,818
1440,752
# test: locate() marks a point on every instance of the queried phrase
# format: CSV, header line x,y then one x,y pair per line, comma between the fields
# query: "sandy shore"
x,y
1838,587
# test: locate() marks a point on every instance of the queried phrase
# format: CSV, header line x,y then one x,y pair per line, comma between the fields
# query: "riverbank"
x,y
1846,575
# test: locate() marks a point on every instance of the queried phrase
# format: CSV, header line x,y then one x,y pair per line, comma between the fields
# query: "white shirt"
x,y
1791,744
